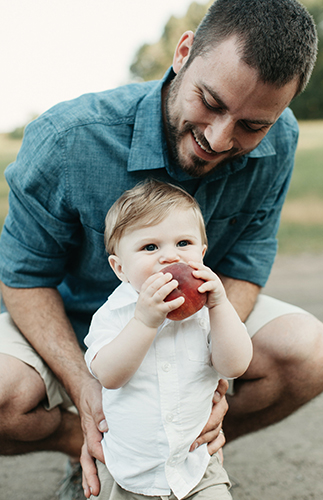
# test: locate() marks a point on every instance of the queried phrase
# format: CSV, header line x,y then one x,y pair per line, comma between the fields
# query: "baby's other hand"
x,y
212,284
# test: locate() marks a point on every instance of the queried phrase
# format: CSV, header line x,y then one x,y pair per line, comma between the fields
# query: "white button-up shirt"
x,y
155,417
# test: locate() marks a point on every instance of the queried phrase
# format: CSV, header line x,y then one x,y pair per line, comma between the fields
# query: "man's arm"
x,y
40,315
242,295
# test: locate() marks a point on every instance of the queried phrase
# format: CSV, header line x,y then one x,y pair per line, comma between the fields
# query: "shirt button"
x,y
202,323
169,417
167,367
233,221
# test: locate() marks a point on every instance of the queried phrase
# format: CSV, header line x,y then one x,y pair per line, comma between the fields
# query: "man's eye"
x,y
249,128
211,107
150,248
183,243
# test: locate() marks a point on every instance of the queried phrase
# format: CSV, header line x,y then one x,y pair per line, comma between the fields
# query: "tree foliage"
x,y
152,60
309,105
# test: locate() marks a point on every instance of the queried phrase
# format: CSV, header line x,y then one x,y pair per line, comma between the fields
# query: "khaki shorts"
x,y
215,484
13,343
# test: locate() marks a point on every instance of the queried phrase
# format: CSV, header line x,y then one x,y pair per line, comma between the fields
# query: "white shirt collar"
x,y
123,295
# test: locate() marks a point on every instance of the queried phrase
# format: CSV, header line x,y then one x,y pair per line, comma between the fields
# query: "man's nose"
x,y
220,134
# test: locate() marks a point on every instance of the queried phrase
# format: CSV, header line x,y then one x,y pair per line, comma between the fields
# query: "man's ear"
x,y
182,50
116,264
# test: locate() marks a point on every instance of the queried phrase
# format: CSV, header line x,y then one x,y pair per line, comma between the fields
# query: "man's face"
x,y
217,109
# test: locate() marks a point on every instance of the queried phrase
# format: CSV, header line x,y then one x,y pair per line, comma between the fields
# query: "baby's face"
x,y
147,250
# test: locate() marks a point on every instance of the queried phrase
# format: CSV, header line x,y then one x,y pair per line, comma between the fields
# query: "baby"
x,y
159,376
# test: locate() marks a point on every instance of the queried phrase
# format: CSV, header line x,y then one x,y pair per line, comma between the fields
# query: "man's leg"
x,y
32,402
25,425
286,372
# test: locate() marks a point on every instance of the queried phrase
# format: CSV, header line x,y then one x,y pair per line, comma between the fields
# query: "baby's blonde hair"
x,y
148,203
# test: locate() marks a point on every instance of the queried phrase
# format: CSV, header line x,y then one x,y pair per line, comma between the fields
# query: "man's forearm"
x,y
40,315
242,295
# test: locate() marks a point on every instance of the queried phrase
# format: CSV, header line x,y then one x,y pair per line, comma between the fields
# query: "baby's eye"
x,y
183,243
150,247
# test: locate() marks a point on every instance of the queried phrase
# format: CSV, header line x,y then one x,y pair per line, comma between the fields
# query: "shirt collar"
x,y
265,148
149,148
123,296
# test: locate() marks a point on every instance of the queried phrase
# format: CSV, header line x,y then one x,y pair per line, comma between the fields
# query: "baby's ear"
x,y
116,264
204,250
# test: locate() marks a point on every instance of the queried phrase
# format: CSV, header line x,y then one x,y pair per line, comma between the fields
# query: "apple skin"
x,y
188,288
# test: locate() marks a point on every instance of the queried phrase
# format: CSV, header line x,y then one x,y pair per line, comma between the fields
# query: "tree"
x,y
152,60
309,104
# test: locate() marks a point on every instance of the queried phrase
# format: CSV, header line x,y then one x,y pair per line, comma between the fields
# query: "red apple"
x,y
188,288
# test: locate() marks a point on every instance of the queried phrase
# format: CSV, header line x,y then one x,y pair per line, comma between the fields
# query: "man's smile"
x,y
205,148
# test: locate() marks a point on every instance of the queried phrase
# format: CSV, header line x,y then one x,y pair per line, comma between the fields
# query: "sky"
x,y
54,50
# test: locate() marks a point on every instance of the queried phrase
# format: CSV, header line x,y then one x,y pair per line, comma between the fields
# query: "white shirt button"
x,y
169,417
202,323
167,367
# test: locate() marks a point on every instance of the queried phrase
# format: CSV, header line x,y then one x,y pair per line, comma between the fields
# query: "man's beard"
x,y
195,166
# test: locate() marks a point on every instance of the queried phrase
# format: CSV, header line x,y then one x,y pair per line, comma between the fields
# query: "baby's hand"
x,y
151,308
213,285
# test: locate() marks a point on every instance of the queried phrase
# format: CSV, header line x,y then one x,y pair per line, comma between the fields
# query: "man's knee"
x,y
285,373
291,339
21,388
290,349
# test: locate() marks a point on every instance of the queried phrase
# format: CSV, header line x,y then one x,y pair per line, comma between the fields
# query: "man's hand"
x,y
211,433
93,425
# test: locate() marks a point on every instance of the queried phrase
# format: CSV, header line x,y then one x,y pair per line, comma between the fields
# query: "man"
x,y
217,125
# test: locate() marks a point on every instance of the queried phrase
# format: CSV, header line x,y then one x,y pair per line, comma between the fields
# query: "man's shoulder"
x,y
284,134
286,123
110,107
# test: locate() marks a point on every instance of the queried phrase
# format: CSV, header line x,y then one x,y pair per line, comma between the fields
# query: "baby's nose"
x,y
169,256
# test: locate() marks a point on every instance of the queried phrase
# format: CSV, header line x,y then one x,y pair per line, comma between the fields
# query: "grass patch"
x,y
308,173
296,238
301,228
8,151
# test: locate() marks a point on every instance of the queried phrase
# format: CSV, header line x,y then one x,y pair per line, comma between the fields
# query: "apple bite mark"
x,y
188,288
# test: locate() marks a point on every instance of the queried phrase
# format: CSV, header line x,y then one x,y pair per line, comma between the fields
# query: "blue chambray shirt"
x,y
80,156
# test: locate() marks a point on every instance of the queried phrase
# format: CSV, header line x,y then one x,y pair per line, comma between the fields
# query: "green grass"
x,y
295,238
308,174
8,152
301,228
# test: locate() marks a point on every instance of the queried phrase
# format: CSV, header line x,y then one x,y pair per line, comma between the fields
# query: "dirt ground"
x,y
282,462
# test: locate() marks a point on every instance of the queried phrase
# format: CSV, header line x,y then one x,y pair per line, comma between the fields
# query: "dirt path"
x,y
283,462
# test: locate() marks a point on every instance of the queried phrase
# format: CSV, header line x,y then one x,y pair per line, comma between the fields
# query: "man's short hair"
x,y
147,204
276,37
